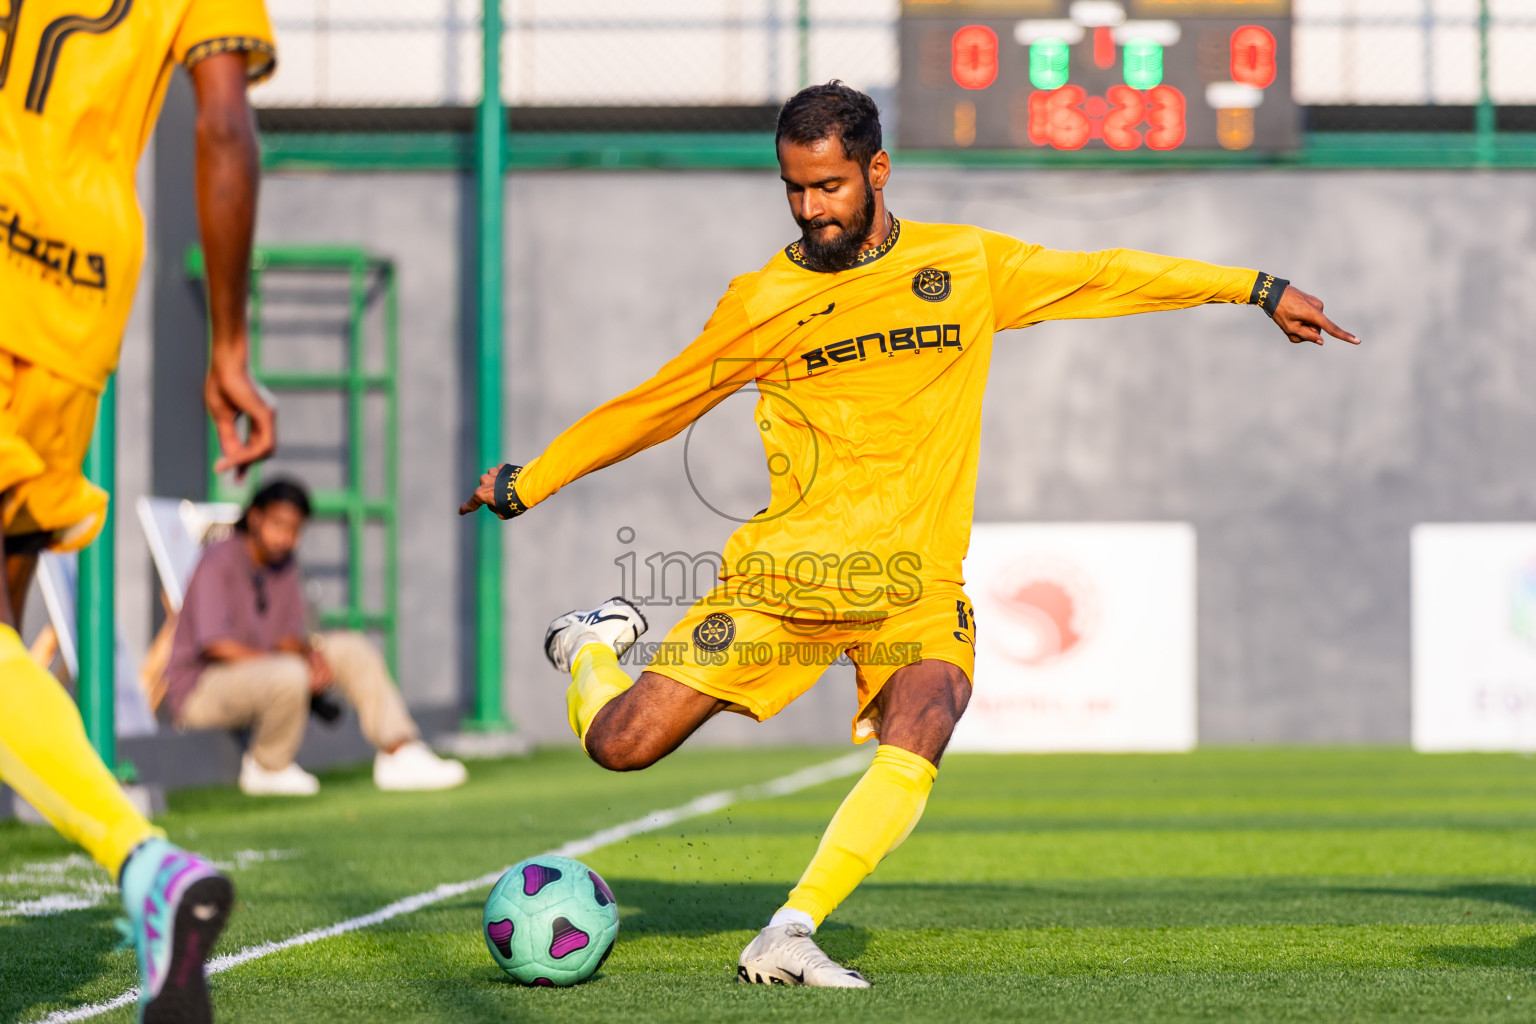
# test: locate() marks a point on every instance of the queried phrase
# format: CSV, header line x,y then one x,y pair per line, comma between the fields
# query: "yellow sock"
x,y
595,680
45,757
875,817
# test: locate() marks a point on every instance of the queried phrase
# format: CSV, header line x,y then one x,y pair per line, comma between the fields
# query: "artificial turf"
x,y
1225,885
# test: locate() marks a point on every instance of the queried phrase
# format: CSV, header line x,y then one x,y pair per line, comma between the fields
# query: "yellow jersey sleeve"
x,y
1031,283
227,26
718,363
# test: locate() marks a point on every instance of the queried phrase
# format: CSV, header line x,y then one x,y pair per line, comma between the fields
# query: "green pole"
x,y
1485,113
95,611
487,716
803,24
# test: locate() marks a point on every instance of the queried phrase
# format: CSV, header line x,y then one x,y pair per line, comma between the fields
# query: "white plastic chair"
x,y
58,577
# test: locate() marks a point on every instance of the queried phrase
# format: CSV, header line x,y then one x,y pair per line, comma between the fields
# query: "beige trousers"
x,y
270,696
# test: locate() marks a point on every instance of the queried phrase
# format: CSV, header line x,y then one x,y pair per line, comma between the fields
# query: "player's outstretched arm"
x,y
1301,317
228,166
718,362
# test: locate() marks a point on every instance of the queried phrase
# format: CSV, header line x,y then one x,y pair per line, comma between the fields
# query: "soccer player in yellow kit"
x,y
868,341
81,83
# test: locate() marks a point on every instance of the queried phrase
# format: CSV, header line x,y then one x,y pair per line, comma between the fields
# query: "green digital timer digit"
x,y
1143,64
1048,63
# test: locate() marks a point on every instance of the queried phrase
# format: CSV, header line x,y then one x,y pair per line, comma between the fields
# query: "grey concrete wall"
x,y
417,221
1301,468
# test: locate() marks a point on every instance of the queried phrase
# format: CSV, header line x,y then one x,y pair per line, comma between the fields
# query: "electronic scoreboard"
x,y
1108,75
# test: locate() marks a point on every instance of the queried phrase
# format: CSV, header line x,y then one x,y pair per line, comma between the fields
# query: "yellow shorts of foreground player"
x,y
45,428
759,654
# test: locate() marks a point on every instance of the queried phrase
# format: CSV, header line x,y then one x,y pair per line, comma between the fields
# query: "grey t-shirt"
x,y
231,598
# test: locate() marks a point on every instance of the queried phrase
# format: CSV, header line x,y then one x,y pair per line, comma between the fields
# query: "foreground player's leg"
x,y
45,756
919,707
176,902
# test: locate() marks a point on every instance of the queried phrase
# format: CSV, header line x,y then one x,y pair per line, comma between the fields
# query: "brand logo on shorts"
x,y
715,633
931,284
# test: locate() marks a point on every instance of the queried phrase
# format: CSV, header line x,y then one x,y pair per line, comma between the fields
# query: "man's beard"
x,y
842,249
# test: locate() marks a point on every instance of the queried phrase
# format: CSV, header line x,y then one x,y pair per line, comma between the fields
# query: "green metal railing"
x,y
486,714
353,505
96,605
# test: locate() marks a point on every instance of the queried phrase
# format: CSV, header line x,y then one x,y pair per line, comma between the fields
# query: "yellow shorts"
x,y
759,656
45,428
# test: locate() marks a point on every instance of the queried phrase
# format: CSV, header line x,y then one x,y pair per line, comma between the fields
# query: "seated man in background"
x,y
242,658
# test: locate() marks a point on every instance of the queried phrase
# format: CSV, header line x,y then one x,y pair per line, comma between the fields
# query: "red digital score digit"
x,y
1056,118
1253,56
973,60
1126,108
1165,117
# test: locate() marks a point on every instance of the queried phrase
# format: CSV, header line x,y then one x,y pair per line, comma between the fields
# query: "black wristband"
x,y
505,502
1267,289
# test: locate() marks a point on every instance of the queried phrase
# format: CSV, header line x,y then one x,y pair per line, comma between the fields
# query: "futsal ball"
x,y
550,921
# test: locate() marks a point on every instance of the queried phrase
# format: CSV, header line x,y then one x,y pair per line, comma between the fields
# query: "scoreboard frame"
x,y
1111,76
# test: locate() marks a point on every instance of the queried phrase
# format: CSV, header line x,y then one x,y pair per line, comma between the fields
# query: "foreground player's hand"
x,y
230,393
1301,317
496,492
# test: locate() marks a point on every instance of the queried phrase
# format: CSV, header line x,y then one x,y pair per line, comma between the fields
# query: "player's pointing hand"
x,y
497,491
1301,317
483,494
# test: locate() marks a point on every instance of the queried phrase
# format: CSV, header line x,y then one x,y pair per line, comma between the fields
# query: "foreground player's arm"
x,y
713,367
227,172
1031,284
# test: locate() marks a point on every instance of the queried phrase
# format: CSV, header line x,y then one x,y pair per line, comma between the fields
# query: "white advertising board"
x,y
1085,637
1474,636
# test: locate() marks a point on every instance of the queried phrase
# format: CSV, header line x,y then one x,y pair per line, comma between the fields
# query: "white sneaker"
x,y
615,623
414,766
786,954
288,781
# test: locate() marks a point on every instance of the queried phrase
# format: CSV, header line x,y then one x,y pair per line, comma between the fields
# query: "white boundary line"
x,y
707,804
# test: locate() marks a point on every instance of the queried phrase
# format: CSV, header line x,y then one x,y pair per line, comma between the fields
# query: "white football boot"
x,y
615,623
785,954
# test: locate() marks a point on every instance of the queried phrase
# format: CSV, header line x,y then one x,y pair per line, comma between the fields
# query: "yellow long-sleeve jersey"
x,y
870,385
80,88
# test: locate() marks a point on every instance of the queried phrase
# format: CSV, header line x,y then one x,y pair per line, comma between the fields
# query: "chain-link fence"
x,y
726,64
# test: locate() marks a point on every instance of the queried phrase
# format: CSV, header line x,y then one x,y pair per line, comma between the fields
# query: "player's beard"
x,y
841,250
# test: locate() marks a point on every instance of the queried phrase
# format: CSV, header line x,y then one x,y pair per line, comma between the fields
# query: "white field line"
x,y
707,804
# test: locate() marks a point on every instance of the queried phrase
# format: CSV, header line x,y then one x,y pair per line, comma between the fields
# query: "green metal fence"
x,y
354,505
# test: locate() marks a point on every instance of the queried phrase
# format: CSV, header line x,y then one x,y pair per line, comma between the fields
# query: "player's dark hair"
x,y
282,489
833,110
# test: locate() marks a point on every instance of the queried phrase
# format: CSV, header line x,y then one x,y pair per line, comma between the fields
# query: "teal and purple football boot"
x,y
177,905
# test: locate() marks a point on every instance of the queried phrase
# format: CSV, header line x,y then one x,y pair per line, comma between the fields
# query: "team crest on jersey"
x,y
931,284
715,633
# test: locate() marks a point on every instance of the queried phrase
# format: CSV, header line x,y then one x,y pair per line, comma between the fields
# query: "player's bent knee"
x,y
619,753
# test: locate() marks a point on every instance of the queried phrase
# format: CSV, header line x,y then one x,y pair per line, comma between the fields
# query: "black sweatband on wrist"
x,y
505,502
1267,289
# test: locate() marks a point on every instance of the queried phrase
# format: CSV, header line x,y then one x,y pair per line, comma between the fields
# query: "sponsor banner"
x,y
1474,636
1085,637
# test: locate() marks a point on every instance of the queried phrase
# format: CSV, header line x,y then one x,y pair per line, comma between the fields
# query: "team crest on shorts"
x,y
931,284
715,633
